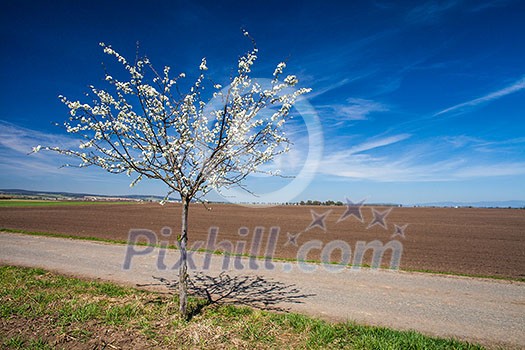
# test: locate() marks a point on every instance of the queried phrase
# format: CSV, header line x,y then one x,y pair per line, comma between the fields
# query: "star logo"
x,y
292,238
318,220
399,230
379,218
352,209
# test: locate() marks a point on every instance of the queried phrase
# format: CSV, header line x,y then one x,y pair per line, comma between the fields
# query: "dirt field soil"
x,y
463,240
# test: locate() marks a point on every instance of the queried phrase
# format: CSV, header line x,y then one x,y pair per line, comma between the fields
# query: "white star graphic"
x,y
352,209
379,218
399,230
318,220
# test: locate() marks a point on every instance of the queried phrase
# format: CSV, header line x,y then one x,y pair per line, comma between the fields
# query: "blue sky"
x,y
418,101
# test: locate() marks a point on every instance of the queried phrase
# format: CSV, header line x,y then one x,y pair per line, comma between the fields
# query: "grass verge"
x,y
43,310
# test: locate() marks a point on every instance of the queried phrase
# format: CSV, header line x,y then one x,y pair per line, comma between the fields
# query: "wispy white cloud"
x,y
443,159
405,169
324,89
354,109
491,170
358,109
460,141
17,142
46,170
385,169
487,5
462,107
376,143
430,11
22,140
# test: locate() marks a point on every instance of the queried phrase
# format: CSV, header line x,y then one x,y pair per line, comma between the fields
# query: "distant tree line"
x,y
316,202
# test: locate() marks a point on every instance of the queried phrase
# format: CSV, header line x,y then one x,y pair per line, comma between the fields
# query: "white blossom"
x,y
279,69
146,125
291,80
203,65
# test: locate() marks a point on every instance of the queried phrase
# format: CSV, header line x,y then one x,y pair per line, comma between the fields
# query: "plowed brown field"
x,y
455,240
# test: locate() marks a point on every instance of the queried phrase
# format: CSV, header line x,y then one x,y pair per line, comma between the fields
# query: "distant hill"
x,y
81,196
483,204
70,195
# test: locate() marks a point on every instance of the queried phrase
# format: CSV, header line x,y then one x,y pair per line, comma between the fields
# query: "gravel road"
x,y
489,312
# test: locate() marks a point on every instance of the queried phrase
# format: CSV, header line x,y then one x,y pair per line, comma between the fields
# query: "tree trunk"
x,y
183,269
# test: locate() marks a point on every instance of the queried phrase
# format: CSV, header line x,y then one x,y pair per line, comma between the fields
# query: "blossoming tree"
x,y
146,127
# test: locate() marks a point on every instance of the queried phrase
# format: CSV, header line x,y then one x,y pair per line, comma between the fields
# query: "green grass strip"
x,y
78,311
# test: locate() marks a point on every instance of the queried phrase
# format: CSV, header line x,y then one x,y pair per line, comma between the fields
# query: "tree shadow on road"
x,y
253,291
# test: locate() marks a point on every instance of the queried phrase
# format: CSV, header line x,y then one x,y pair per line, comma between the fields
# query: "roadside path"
x,y
490,312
